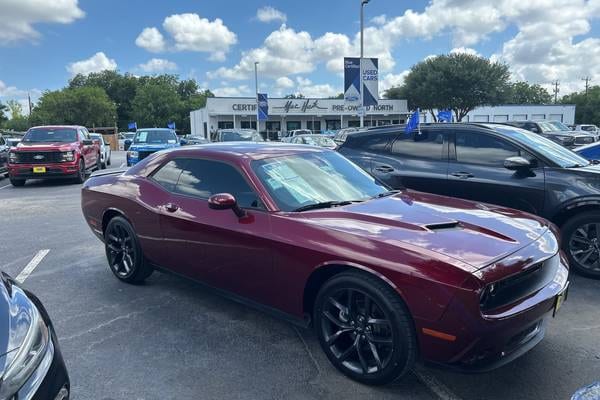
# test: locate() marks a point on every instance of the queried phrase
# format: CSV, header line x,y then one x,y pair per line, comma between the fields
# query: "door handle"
x,y
384,168
170,207
462,175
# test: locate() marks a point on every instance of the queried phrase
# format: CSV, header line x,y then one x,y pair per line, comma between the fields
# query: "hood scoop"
x,y
443,226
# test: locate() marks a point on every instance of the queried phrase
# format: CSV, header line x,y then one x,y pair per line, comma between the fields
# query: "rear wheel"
x,y
108,161
364,328
581,243
124,253
17,182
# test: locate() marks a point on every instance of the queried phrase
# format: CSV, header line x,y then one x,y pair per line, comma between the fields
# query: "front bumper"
x,y
486,341
53,170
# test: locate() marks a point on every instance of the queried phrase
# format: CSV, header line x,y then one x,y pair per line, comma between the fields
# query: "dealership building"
x,y
333,114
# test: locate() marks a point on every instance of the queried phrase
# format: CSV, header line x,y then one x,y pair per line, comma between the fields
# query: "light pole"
x,y
362,45
256,86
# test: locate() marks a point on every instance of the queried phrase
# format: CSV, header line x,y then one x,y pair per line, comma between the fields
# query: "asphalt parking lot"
x,y
171,339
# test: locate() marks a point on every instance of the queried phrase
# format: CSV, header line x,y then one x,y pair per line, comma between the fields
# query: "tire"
x,y
124,253
98,162
17,182
347,337
103,165
581,243
108,161
81,174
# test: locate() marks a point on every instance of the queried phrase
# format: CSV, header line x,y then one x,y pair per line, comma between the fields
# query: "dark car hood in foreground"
x,y
472,233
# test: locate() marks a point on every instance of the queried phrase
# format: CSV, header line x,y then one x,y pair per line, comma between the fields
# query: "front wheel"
x,y
124,252
581,243
81,172
364,328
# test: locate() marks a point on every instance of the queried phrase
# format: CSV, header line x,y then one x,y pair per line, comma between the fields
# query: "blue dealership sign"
x,y
132,125
352,80
370,73
263,107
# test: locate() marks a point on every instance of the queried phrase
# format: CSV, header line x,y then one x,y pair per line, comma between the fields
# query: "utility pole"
x,y
256,85
362,53
587,80
556,84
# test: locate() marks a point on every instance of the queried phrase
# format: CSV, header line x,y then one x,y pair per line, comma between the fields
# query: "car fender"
x,y
565,207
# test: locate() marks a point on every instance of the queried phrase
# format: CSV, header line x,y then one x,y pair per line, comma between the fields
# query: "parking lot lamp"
x,y
362,45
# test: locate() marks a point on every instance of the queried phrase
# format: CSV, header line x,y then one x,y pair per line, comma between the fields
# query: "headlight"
x,y
133,154
33,335
68,156
12,157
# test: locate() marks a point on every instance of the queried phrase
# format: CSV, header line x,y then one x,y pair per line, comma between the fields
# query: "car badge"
x,y
38,157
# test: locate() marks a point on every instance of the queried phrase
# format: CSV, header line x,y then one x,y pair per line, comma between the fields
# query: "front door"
x,y
217,247
476,172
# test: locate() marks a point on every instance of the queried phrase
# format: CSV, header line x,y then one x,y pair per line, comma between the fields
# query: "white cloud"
x,y
17,17
391,80
96,63
158,65
14,93
379,20
232,91
11,91
269,14
152,40
318,91
465,50
284,82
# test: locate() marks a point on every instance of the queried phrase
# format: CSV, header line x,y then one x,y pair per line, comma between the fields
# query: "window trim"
x,y
250,184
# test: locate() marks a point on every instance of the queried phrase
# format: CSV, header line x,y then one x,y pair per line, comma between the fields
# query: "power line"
x,y
556,84
587,80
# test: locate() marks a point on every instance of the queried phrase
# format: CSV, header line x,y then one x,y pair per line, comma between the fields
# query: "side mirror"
x,y
87,142
183,142
225,201
517,163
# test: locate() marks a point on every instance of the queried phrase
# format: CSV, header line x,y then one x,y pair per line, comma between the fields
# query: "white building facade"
x,y
332,114
290,114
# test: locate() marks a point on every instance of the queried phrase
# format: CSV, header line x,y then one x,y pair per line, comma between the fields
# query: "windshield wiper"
x,y
325,204
386,194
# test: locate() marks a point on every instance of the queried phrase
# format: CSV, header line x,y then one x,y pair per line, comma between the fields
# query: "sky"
x,y
299,45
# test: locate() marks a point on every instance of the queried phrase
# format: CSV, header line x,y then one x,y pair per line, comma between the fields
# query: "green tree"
x,y
587,110
294,96
524,93
120,88
156,103
339,96
15,108
460,82
88,106
3,117
19,124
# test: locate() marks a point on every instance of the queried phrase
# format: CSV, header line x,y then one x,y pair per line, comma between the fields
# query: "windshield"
x,y
588,128
314,177
559,126
554,152
240,136
62,135
97,137
548,127
155,137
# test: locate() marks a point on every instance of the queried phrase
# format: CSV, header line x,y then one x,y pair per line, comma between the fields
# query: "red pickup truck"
x,y
50,152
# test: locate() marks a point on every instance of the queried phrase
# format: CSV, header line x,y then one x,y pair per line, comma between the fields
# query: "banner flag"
x,y
263,107
444,116
370,71
352,81
132,125
171,125
413,122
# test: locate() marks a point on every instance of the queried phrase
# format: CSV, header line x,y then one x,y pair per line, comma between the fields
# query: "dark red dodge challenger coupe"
x,y
383,276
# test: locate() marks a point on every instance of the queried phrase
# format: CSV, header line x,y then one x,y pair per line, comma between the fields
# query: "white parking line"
x,y
4,187
122,165
437,387
31,266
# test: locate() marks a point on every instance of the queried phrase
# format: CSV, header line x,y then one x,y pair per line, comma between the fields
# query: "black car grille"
x,y
521,285
584,140
39,157
144,154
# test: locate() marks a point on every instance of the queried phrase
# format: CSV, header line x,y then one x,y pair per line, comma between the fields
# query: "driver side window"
x,y
475,148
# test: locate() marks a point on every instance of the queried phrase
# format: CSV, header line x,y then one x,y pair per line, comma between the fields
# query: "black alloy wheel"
x,y
364,328
124,253
581,242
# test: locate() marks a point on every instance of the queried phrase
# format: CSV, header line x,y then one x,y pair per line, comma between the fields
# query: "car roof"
x,y
154,129
58,126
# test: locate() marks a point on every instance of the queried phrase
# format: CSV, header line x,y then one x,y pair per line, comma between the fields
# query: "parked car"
x,y
341,135
192,140
314,140
31,364
384,277
238,135
125,139
150,140
53,152
566,128
497,164
588,128
105,151
4,148
287,136
590,152
12,141
568,139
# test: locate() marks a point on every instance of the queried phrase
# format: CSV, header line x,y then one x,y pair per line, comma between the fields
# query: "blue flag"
x,y
413,122
132,125
444,116
263,106
171,125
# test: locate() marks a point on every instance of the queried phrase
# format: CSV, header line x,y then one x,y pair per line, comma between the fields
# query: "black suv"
x,y
552,131
492,163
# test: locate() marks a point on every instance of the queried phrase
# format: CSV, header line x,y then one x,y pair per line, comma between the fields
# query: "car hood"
x,y
45,146
472,233
152,147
